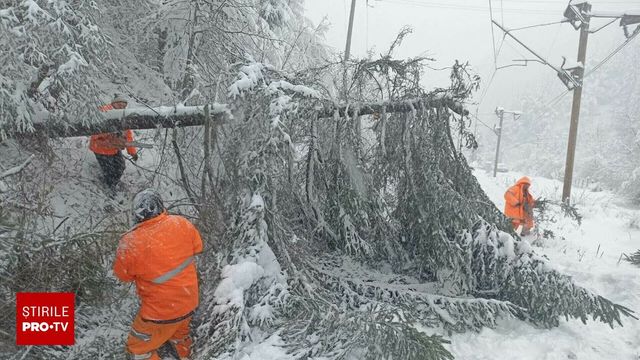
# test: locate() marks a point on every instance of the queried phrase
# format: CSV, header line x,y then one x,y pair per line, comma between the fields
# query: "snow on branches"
x,y
379,224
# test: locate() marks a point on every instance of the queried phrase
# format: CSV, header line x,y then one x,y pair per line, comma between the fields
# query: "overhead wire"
x,y
559,97
495,64
439,5
617,50
539,25
493,38
496,52
483,123
486,89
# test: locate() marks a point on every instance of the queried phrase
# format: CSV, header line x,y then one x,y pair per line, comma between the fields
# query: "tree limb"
x,y
172,117
16,169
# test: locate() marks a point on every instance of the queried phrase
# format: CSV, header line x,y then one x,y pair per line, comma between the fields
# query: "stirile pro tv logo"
x,y
45,319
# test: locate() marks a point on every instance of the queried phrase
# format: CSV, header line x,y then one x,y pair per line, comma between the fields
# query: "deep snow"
x,y
591,254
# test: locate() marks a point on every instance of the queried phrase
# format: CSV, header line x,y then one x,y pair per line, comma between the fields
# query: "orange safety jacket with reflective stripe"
x,y
105,107
158,255
517,201
111,143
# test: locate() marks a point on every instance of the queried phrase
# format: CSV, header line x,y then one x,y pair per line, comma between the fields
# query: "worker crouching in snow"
x,y
107,147
519,206
158,255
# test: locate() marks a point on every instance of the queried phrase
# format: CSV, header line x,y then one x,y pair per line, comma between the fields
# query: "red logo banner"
x,y
45,319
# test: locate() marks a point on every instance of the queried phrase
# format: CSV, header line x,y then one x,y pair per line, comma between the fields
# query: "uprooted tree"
x,y
348,227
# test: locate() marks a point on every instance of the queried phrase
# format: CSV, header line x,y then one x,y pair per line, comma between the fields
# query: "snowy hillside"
x,y
591,254
337,217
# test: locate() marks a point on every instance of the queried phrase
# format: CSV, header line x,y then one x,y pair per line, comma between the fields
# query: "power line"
x,y
622,2
493,38
539,25
434,5
483,123
610,56
486,89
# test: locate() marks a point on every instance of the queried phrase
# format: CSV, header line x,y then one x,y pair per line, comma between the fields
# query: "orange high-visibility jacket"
x,y
516,202
158,255
105,107
111,143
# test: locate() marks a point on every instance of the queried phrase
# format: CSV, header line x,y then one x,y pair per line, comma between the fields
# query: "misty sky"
x,y
460,29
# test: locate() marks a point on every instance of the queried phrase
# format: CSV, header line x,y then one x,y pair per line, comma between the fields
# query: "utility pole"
x,y
575,109
500,112
347,50
579,15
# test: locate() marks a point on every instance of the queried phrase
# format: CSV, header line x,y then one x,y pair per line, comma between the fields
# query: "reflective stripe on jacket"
x,y
158,255
111,143
105,107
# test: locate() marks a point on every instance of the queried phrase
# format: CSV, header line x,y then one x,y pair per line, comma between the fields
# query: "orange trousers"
x,y
527,225
146,337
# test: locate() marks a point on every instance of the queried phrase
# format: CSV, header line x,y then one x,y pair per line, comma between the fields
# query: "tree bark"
x,y
152,118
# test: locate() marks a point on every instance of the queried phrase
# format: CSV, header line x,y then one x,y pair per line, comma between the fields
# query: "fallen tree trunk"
x,y
136,119
181,116
396,107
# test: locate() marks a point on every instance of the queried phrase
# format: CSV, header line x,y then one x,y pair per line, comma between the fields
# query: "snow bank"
x,y
272,348
236,279
591,255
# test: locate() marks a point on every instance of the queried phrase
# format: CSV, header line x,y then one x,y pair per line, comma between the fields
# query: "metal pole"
x,y
575,116
495,164
347,50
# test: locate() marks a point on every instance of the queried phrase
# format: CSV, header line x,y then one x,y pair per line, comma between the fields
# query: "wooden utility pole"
x,y
575,110
579,15
500,112
347,49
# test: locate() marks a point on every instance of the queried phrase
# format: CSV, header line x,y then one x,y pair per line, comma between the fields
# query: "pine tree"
x,y
376,228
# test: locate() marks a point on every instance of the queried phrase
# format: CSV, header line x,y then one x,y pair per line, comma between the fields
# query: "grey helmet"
x,y
118,98
147,204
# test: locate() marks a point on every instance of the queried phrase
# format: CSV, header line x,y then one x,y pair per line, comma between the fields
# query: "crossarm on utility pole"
x,y
566,78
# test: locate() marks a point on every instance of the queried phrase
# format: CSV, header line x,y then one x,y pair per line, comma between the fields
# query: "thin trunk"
x,y
183,174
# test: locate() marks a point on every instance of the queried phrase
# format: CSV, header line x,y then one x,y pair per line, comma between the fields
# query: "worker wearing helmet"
x,y
519,206
158,256
107,147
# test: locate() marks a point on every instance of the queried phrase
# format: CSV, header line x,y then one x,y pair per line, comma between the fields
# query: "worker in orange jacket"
x,y
519,206
107,147
158,256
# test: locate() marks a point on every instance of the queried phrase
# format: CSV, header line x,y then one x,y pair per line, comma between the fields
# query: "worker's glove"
x,y
134,157
538,201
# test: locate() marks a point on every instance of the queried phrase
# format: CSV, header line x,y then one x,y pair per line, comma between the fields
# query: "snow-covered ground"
x,y
591,254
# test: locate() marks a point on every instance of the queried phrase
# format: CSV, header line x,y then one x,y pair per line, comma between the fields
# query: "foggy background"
x,y
608,135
